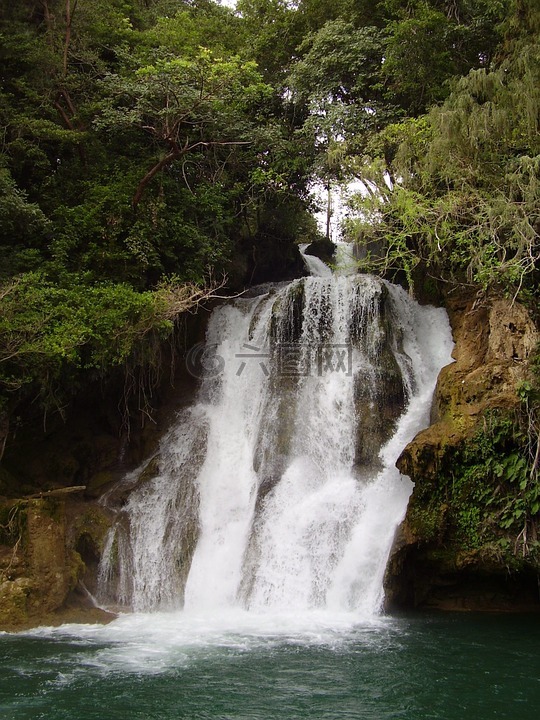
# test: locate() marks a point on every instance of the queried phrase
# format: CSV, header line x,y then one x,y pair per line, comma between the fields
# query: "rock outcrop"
x,y
46,550
467,542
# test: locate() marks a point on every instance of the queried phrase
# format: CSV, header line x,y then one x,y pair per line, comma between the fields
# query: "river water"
x,y
182,666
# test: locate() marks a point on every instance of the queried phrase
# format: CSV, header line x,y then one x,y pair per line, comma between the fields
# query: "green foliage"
x,y
427,521
139,142
336,86
339,61
467,191
183,32
419,59
487,494
48,332
23,228
271,35
363,67
146,139
431,42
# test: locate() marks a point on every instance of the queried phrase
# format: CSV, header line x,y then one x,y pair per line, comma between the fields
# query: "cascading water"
x,y
277,490
315,265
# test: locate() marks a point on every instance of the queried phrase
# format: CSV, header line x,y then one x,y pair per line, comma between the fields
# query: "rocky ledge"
x,y
469,539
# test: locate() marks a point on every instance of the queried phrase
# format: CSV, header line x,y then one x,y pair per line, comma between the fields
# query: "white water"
x,y
315,265
346,263
260,503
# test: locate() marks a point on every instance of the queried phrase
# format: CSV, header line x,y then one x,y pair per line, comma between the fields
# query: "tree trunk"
x,y
328,209
67,37
141,187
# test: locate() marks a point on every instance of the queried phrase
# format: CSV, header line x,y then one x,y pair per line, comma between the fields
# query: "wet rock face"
x,y
493,347
46,554
432,565
512,334
379,391
379,403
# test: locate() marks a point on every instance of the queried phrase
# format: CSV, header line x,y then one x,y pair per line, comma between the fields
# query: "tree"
x,y
466,205
271,35
430,42
183,105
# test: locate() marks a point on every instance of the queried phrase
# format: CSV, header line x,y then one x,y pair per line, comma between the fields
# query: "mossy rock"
x,y
75,566
93,526
427,524
12,522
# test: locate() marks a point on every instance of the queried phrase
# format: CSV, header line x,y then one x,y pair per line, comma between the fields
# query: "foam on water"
x,y
148,644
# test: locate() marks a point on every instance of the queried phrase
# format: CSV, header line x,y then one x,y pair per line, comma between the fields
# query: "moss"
x,y
14,603
89,533
75,568
96,522
427,523
53,508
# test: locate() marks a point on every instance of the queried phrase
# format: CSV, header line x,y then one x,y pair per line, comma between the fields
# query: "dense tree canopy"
x,y
465,202
147,141
140,146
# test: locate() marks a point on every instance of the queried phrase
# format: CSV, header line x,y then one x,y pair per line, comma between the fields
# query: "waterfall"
x,y
277,490
315,265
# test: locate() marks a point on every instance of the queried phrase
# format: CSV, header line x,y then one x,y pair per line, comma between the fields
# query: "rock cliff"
x,y
469,540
